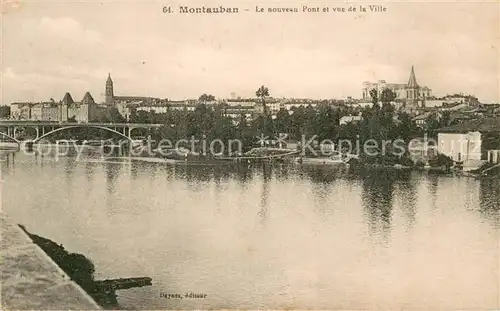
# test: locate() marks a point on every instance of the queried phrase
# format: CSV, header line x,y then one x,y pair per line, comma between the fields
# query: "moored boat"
x,y
335,159
260,154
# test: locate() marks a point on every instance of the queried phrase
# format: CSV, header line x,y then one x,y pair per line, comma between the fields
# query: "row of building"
x,y
415,99
471,143
87,110
65,110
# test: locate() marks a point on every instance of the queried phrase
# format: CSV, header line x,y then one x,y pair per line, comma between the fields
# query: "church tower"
x,y
412,90
109,91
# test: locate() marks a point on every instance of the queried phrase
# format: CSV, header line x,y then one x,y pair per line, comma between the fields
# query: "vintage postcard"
x,y
220,155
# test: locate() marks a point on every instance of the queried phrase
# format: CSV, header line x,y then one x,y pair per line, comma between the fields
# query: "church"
x,y
411,94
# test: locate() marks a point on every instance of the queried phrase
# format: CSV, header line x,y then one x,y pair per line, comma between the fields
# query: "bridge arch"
x,y
81,126
15,140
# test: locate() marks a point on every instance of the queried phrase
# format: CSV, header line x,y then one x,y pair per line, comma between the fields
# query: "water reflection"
x,y
197,177
113,170
7,159
282,172
69,169
221,176
264,197
406,191
322,204
134,169
243,174
489,197
209,228
432,186
89,172
377,198
323,174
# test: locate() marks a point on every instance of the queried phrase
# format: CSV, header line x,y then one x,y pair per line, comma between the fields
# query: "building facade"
x,y
66,110
46,111
460,146
21,111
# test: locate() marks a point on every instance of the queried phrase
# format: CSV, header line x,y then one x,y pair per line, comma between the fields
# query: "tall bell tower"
x,y
412,90
109,91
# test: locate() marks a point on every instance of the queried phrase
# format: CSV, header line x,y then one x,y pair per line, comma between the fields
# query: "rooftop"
x,y
491,124
125,98
412,82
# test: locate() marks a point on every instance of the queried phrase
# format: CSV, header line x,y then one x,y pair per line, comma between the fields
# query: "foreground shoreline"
x,y
81,270
31,280
37,273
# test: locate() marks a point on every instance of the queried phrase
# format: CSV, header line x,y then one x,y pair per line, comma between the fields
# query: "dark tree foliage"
x,y
4,112
206,98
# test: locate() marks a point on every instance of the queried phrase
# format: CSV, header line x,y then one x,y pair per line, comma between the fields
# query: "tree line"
x,y
380,122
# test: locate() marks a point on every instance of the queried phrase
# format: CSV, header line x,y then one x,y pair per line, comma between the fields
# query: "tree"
x,y
297,122
4,112
282,121
442,161
407,129
387,96
387,113
445,119
115,116
262,93
206,98
140,116
374,96
326,122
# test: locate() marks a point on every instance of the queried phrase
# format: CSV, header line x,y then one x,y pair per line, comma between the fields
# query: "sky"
x,y
53,47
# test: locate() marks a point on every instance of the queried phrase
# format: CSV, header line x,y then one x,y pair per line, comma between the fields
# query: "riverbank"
x,y
31,280
81,270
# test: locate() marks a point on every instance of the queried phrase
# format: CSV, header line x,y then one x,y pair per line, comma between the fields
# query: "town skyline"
x,y
57,49
100,98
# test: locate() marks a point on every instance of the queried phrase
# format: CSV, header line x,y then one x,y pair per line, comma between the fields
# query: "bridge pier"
x,y
29,145
130,132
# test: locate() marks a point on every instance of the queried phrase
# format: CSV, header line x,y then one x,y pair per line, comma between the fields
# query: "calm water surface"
x,y
267,237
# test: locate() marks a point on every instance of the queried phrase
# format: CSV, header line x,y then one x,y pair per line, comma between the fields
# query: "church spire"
x,y
412,82
412,92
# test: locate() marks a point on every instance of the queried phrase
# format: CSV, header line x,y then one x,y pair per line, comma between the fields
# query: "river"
x,y
278,237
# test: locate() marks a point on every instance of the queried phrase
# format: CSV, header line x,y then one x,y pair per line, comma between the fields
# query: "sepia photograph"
x,y
239,155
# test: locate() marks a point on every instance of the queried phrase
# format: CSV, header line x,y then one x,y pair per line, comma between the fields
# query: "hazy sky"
x,y
50,48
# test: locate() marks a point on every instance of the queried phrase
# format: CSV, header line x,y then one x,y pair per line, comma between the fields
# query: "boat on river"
x,y
175,153
261,154
336,159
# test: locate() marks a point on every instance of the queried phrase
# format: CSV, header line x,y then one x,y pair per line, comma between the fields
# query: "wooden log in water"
x,y
123,283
